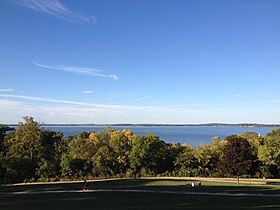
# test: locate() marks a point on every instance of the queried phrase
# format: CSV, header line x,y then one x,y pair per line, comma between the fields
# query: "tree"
x,y
216,150
76,161
65,164
269,154
186,163
254,140
3,132
275,133
172,151
103,158
208,157
49,164
237,157
120,145
136,156
103,162
25,149
147,155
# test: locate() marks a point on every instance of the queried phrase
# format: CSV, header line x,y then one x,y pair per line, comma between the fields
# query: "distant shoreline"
x,y
147,124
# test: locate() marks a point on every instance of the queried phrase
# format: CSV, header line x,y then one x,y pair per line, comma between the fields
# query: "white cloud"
x,y
41,99
64,111
13,107
7,90
67,102
79,70
88,91
56,9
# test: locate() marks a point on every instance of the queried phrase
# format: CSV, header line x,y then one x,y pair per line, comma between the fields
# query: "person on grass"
x,y
85,187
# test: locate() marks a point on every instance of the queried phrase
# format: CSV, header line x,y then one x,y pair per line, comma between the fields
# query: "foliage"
x,y
237,157
186,162
32,153
269,154
24,149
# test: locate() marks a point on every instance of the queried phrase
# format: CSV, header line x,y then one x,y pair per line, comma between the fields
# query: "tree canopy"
x,y
237,156
32,153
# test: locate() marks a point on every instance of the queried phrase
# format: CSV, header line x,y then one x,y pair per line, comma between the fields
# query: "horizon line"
x,y
154,124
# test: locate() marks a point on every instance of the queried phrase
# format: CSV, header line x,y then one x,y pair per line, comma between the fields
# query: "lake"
x,y
193,135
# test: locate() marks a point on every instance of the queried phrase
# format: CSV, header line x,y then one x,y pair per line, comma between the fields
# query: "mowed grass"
x,y
138,200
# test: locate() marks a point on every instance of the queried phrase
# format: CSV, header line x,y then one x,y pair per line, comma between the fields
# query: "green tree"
x,y
3,166
186,162
120,146
76,161
3,131
171,153
49,164
136,156
25,149
103,162
208,157
147,155
275,133
103,158
254,140
269,154
66,167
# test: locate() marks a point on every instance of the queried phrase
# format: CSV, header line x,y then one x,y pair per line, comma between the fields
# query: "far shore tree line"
x,y
31,153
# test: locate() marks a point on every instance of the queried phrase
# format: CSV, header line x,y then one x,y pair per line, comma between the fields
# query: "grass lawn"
x,y
139,200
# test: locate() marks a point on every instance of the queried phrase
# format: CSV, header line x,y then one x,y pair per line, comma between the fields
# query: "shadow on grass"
x,y
42,187
141,201
148,184
273,183
182,185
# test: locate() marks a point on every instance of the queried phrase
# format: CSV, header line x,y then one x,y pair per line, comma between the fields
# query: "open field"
x,y
150,193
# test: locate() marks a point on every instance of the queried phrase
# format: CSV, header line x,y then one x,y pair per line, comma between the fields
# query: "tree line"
x,y
31,153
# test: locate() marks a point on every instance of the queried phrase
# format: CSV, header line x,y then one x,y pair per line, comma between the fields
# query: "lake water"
x,y
193,135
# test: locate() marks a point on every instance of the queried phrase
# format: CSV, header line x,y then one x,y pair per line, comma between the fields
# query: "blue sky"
x,y
182,61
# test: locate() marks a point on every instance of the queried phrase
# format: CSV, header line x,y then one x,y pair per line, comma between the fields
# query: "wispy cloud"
x,y
159,101
41,99
79,70
250,95
56,9
141,99
88,91
116,96
13,107
112,106
60,101
261,102
7,90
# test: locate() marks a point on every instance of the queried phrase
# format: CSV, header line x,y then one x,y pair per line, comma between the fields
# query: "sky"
x,y
160,61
